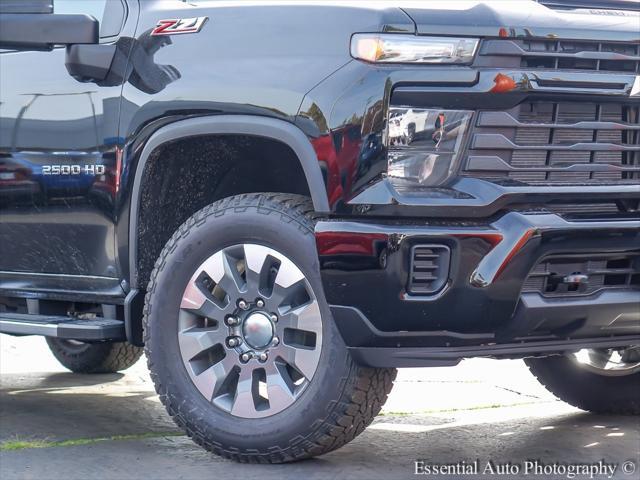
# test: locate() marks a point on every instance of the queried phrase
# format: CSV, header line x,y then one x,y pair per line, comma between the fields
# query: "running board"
x,y
95,329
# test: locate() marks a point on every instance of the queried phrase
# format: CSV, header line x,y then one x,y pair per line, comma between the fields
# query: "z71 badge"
x,y
179,26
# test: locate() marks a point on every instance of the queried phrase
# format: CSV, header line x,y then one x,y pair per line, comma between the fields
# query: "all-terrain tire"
x,y
94,357
341,399
587,390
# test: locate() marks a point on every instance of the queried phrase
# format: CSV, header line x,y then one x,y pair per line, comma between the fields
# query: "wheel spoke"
x,y
220,372
231,281
210,309
222,270
302,359
305,317
613,360
288,275
289,287
193,298
280,387
255,262
210,380
243,403
598,358
196,301
194,341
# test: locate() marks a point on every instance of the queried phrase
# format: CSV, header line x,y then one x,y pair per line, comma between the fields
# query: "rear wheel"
x,y
597,380
83,357
240,342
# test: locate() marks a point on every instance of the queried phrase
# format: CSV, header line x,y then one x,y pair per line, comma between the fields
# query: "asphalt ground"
x,y
481,419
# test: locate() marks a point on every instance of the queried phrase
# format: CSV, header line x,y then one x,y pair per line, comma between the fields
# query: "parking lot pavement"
x,y
54,424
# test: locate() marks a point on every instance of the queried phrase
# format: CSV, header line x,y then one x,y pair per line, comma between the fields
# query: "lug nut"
x,y
233,341
233,321
242,304
260,303
275,341
274,318
245,357
263,357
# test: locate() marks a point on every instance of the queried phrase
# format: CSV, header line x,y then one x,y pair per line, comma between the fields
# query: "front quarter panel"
x,y
248,59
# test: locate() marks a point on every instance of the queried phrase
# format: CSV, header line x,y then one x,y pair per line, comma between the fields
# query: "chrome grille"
x,y
564,54
538,143
552,276
584,209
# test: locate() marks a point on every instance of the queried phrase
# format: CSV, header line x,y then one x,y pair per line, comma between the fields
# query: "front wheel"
x,y
597,380
240,341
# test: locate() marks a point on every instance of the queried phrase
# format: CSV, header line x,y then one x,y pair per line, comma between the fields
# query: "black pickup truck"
x,y
280,203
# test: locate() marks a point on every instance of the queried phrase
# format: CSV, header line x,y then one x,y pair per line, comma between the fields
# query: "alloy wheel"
x,y
250,330
609,361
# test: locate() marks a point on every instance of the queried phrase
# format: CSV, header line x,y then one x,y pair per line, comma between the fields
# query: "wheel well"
x,y
185,175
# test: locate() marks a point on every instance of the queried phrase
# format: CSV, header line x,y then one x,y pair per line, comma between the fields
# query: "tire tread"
x,y
98,358
554,373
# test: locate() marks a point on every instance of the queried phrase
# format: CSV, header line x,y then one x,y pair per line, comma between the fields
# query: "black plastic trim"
x,y
73,288
133,307
608,312
600,315
358,332
89,62
280,130
450,356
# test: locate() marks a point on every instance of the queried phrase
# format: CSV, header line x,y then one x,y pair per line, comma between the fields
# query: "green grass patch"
x,y
21,444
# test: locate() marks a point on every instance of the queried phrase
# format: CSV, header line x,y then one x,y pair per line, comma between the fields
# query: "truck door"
x,y
59,165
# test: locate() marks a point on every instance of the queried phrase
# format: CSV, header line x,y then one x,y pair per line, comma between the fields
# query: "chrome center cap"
x,y
257,330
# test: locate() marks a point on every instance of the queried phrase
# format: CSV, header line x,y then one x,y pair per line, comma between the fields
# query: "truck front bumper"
x,y
480,309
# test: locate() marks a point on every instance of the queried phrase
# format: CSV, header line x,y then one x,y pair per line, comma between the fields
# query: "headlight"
x,y
425,144
395,48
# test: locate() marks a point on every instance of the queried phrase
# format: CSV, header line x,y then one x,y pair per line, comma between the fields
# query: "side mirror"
x,y
90,63
42,31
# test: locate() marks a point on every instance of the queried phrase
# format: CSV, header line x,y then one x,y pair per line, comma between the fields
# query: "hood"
x,y
631,5
603,20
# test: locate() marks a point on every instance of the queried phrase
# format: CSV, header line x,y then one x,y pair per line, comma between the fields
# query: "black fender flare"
x,y
254,125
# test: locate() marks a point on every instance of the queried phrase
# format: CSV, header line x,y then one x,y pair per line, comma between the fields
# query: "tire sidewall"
x,y
81,358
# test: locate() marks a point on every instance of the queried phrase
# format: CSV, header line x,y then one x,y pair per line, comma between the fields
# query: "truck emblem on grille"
x,y
635,90
179,26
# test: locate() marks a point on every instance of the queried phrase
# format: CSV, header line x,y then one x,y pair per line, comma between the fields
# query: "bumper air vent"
x,y
429,269
563,276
